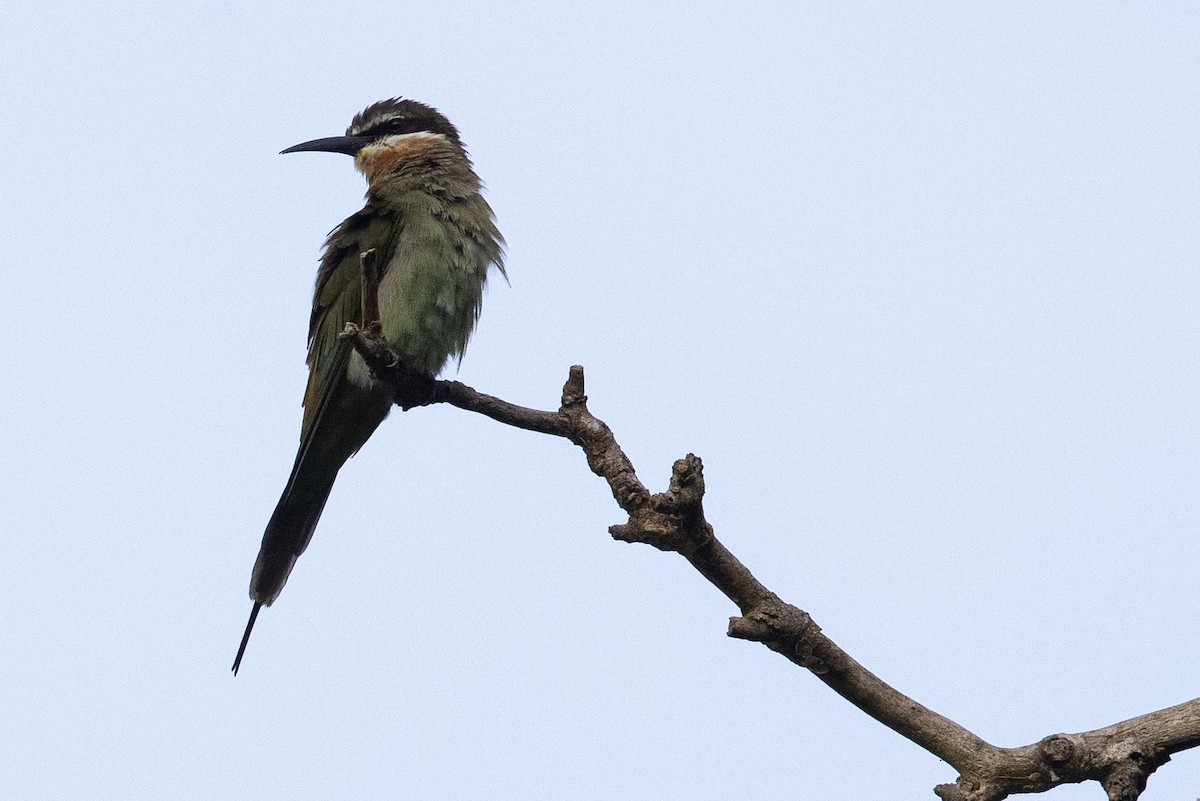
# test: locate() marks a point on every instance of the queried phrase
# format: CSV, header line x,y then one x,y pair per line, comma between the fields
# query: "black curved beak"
x,y
350,145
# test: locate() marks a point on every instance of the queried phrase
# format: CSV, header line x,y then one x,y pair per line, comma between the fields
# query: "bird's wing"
x,y
337,300
338,416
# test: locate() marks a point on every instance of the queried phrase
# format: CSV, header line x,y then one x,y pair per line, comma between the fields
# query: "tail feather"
x,y
333,440
237,662
289,531
287,535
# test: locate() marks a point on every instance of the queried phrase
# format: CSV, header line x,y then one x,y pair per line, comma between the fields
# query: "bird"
x,y
435,240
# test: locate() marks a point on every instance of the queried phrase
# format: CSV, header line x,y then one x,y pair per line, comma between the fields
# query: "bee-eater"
x,y
435,241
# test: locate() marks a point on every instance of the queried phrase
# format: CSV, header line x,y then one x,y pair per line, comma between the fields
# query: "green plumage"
x,y
435,240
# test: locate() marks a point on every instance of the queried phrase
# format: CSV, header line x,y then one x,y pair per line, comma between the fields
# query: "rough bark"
x,y
1121,757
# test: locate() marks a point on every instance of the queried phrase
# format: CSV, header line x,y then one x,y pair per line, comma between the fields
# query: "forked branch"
x,y
1121,757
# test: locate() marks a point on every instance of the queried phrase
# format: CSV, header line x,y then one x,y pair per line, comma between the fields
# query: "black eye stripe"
x,y
407,124
400,125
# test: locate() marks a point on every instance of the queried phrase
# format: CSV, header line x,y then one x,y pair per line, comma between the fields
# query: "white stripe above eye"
x,y
405,138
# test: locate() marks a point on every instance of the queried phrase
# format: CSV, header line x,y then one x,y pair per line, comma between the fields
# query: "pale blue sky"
x,y
917,282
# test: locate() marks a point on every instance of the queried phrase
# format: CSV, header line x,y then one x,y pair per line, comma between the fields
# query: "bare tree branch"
x,y
1121,757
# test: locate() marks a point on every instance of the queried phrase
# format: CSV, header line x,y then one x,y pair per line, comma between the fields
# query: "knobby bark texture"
x,y
1121,757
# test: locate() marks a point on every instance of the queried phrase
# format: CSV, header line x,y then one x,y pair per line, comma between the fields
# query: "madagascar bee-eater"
x,y
435,240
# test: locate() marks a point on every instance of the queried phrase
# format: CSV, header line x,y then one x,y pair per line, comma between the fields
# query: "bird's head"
x,y
386,133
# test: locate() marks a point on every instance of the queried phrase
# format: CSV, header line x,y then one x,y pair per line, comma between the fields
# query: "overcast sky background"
x,y
918,283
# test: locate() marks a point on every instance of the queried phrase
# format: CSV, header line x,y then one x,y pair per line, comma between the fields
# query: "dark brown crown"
x,y
400,116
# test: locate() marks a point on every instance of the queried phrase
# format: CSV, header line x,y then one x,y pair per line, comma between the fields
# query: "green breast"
x,y
432,285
